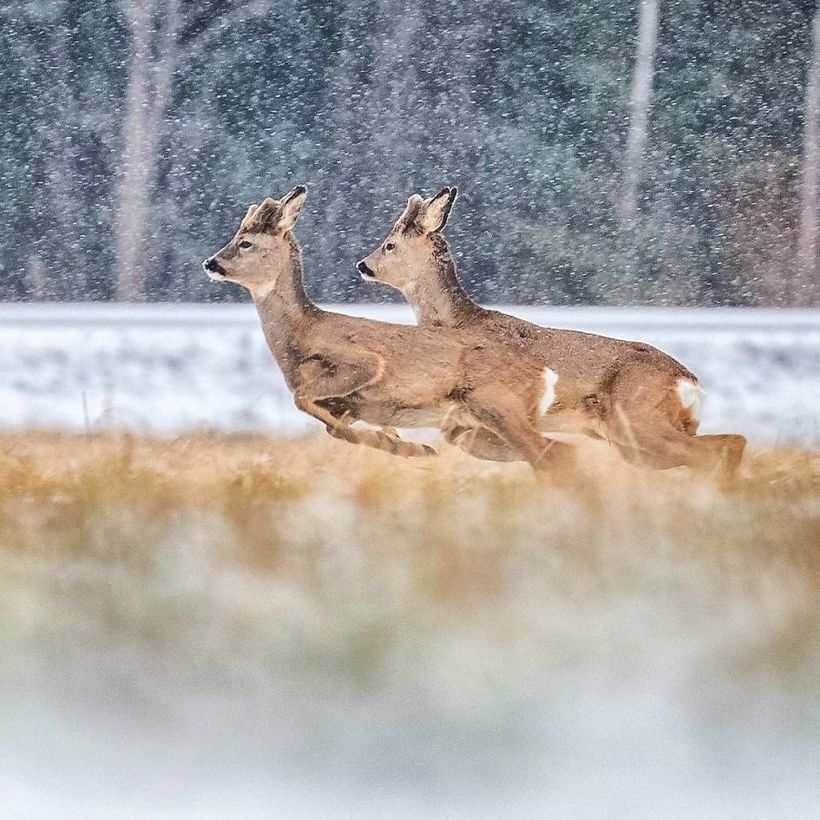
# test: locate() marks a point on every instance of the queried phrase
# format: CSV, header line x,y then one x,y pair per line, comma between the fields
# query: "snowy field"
x,y
259,627
175,368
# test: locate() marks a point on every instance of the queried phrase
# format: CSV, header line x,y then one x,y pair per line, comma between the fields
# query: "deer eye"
x,y
245,244
388,246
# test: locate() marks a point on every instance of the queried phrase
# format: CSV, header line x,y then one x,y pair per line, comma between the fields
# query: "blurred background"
x,y
207,611
607,152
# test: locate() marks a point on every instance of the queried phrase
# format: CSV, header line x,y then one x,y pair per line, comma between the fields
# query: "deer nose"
x,y
364,270
212,265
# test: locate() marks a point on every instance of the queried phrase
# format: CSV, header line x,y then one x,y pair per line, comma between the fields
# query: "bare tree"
x,y
639,101
806,284
394,85
160,35
149,81
45,279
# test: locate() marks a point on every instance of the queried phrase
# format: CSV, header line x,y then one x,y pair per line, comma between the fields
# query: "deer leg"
x,y
325,378
511,423
731,448
341,428
721,454
657,443
481,443
650,427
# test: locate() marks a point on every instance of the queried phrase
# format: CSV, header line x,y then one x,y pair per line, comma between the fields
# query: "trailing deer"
x,y
341,369
638,398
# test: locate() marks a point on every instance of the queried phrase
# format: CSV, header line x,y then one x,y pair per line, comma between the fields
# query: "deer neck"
x,y
285,311
440,299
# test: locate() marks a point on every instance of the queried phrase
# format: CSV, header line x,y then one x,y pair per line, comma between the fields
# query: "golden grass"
x,y
360,613
370,543
71,495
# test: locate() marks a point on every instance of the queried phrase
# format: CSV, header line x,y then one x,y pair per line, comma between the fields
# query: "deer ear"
x,y
263,218
291,204
246,220
410,213
437,210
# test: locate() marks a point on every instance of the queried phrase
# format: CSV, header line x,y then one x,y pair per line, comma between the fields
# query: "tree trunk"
x,y
37,284
148,90
639,101
61,199
394,94
132,193
806,284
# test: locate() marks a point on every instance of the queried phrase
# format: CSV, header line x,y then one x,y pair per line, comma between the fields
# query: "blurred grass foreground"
x,y
247,626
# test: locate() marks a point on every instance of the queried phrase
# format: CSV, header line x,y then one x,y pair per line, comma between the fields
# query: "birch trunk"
x,y
132,194
806,284
394,86
639,101
148,90
62,202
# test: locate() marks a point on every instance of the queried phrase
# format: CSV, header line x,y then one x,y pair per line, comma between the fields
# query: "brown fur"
x,y
623,391
341,369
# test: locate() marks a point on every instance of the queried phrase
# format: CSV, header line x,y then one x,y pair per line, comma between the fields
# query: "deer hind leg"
x,y
510,422
653,420
481,443
662,445
729,448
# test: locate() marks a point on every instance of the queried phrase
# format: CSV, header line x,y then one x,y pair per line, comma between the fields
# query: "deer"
x,y
630,394
343,369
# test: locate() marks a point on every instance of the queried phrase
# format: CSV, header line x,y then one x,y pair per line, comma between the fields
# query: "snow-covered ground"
x,y
170,368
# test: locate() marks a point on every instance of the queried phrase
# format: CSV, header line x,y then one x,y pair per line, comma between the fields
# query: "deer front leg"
x,y
507,419
481,443
325,379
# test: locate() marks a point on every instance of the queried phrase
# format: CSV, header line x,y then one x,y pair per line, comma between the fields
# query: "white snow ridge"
x,y
171,368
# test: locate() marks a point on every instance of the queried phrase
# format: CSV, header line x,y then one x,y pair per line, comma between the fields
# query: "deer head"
x,y
403,260
257,254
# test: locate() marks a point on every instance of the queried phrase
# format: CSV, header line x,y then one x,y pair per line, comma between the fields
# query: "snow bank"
x,y
170,368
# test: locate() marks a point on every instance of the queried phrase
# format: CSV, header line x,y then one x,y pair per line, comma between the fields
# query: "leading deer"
x,y
341,369
638,398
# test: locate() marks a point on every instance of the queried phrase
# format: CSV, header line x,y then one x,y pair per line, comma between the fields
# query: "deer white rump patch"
x,y
692,397
548,396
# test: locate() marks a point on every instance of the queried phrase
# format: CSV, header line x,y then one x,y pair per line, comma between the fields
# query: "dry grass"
x,y
273,506
332,523
343,588
70,496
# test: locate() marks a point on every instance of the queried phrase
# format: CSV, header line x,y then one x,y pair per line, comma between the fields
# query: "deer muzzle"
x,y
214,270
366,272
